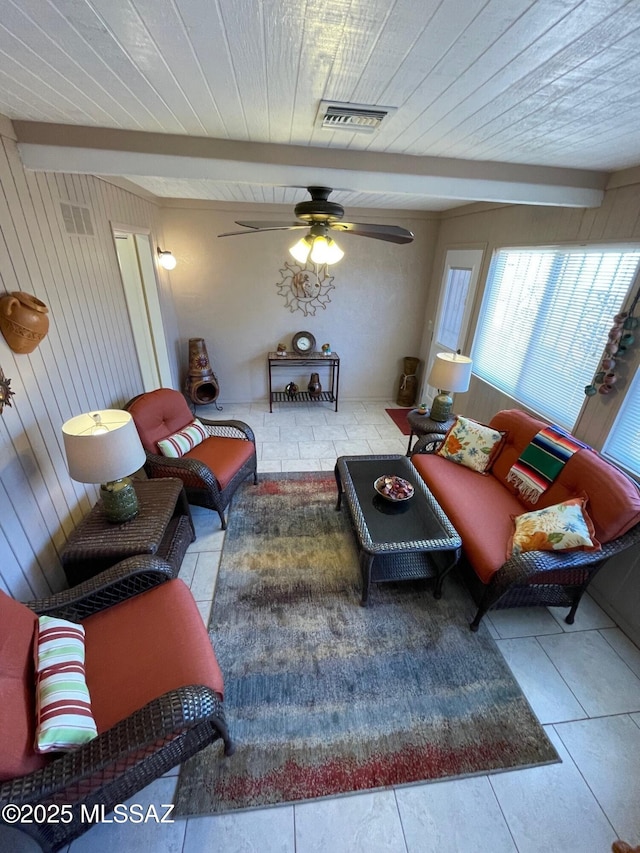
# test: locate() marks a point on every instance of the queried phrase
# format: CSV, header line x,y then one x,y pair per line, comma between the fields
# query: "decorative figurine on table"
x,y
281,349
326,349
422,408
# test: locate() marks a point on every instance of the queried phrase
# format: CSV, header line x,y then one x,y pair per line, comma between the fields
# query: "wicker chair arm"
x,y
190,471
524,567
125,579
229,428
73,777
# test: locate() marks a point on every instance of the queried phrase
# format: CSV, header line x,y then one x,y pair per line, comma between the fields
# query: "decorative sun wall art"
x,y
305,288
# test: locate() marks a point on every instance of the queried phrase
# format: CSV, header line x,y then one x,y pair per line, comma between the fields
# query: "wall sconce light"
x,y
104,447
317,246
166,259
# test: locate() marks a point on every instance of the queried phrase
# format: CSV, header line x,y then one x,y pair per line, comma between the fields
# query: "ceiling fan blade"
x,y
390,233
272,225
258,227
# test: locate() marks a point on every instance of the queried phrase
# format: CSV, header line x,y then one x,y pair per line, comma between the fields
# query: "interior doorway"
x,y
457,291
135,257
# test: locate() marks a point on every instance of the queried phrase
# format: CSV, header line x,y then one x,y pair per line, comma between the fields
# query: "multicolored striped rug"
x,y
324,696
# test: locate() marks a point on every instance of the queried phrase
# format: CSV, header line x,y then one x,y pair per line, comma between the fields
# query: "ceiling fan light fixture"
x,y
334,252
301,250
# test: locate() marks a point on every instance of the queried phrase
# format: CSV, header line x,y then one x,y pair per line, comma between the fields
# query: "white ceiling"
x,y
532,101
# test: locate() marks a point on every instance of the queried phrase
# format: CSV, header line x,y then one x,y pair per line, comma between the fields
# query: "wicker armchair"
x,y
153,737
211,471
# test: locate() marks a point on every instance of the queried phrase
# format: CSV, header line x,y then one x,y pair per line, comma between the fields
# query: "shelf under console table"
x,y
312,359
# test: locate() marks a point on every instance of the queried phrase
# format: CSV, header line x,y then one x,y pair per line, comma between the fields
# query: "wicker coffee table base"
x,y
395,558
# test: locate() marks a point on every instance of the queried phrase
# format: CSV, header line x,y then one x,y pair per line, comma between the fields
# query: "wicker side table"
x,y
428,431
163,527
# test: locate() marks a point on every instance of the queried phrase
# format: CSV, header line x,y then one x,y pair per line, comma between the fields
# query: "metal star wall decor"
x,y
5,392
305,288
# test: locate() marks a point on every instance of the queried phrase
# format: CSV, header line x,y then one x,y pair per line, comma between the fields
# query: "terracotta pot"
x,y
23,321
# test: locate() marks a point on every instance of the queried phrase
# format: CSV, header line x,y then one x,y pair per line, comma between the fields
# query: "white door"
x,y
457,290
138,277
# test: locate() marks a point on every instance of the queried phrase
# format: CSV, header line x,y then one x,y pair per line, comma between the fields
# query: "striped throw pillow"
x,y
184,440
63,705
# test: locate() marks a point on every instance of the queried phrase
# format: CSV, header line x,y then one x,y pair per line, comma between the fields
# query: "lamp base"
x,y
119,500
441,407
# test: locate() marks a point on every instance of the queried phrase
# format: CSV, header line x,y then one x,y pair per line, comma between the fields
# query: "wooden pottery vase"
x,y
314,386
23,321
202,384
408,382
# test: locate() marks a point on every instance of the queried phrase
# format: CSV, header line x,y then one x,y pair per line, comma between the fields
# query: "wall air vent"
x,y
355,118
77,219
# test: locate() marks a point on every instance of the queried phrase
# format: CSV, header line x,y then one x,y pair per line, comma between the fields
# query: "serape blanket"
x,y
541,461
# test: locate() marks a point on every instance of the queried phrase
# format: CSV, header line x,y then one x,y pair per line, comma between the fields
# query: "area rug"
x,y
399,417
324,696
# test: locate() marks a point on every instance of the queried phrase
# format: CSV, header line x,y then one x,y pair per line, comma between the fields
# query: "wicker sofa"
x,y
482,507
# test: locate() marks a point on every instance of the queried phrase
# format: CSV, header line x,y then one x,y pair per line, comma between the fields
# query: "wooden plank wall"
x,y
86,361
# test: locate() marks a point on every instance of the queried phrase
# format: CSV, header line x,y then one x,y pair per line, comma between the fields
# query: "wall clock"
x,y
303,343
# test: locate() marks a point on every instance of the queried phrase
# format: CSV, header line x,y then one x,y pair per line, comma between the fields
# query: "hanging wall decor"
x,y
23,321
621,337
305,287
5,392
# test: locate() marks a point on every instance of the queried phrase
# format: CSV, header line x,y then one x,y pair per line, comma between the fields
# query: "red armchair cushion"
x,y
222,455
144,647
18,627
614,500
158,414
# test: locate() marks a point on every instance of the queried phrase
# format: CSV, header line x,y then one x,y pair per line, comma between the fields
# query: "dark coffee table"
x,y
396,541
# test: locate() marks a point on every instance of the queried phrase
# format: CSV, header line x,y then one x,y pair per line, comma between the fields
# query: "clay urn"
x,y
23,321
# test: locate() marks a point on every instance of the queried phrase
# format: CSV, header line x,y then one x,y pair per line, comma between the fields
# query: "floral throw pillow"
x,y
471,444
562,527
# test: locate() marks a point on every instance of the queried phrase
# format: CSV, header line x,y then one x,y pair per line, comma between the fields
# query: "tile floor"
x,y
583,682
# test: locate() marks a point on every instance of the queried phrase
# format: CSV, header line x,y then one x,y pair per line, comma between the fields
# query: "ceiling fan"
x,y
322,217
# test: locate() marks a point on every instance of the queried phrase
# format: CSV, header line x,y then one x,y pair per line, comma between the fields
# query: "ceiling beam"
x,y
102,151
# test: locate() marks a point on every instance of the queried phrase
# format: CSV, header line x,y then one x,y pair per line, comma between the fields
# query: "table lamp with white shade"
x,y
450,372
104,447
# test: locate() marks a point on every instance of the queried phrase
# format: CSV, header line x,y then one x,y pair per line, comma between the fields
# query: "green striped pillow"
x,y
184,440
63,704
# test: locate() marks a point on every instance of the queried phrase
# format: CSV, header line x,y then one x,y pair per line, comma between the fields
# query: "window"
x,y
544,322
623,443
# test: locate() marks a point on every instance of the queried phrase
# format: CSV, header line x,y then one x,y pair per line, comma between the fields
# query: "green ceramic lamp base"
x,y
119,500
441,407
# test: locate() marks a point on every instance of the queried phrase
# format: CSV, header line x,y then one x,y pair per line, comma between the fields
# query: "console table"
x,y
163,527
313,359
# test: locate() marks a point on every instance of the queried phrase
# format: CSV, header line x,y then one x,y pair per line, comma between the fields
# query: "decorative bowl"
x,y
393,488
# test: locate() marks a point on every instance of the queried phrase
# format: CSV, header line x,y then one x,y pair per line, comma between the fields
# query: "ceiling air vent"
x,y
356,118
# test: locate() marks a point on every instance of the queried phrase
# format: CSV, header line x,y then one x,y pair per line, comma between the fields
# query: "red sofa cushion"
x,y
18,629
146,646
614,499
223,455
158,414
478,506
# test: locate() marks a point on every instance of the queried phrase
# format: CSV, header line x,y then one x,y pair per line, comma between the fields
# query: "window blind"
x,y
544,322
623,443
